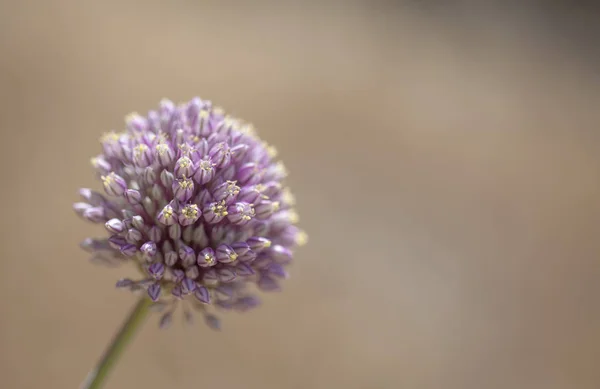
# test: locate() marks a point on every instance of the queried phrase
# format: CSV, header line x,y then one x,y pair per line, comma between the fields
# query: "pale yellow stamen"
x,y
209,258
206,165
280,168
168,211
186,149
275,206
185,162
190,211
162,137
162,148
232,188
293,216
288,197
131,117
110,137
272,151
248,129
248,215
220,209
108,180
139,150
186,183
301,238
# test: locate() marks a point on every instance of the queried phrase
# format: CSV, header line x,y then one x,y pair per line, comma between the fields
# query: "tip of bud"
x,y
301,238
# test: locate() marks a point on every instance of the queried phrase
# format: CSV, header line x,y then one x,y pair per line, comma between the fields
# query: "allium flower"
x,y
195,199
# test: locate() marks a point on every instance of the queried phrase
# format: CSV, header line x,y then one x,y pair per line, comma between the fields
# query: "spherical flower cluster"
x,y
195,199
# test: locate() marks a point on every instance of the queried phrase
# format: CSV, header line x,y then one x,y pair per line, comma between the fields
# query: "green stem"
x,y
97,377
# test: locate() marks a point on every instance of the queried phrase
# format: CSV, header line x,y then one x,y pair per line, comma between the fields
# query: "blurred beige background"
x,y
445,161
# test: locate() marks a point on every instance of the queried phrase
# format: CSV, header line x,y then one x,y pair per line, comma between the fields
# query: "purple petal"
x,y
184,167
187,255
272,188
124,283
178,274
149,248
248,173
210,277
225,291
155,234
240,213
171,258
262,261
115,226
116,242
247,257
165,320
225,254
267,284
240,248
226,274
227,192
133,196
213,322
214,212
167,178
175,231
183,189
80,208
206,258
205,172
149,175
243,270
142,155
154,291
95,214
192,272
277,270
156,270
91,245
238,151
114,185
164,154
280,254
133,235
138,222
202,294
245,303
188,317
220,154
177,292
258,243
265,209
167,216
224,304
129,250
188,285
92,197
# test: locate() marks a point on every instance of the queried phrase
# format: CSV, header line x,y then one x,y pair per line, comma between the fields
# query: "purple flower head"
x,y
197,202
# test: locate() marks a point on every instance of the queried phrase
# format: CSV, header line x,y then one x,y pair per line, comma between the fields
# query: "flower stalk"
x,y
97,377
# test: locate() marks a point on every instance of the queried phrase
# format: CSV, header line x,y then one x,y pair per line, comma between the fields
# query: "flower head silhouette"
x,y
198,203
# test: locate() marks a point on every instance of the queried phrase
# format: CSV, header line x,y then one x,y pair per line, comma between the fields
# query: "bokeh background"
x,y
445,160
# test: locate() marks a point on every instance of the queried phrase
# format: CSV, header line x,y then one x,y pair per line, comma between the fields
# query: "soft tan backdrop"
x,y
445,161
